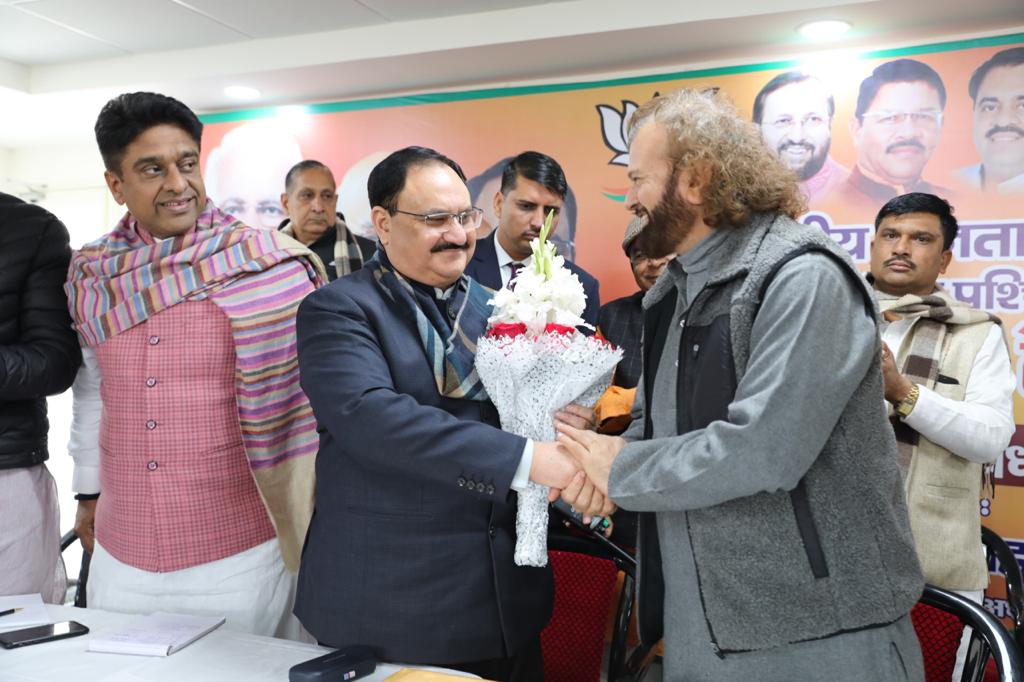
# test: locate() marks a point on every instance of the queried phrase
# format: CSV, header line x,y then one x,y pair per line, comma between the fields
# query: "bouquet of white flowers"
x,y
533,362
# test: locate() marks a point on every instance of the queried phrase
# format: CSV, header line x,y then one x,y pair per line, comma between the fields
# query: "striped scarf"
x,y
257,278
921,366
451,354
347,256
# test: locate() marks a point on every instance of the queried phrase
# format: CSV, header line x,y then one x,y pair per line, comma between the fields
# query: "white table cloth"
x,y
220,656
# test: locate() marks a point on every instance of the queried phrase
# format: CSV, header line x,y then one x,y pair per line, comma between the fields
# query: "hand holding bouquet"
x,y
533,362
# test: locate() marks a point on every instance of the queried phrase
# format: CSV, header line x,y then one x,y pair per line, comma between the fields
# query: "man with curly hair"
x,y
773,534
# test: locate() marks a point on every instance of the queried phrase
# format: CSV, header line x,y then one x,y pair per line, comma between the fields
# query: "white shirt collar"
x,y
503,258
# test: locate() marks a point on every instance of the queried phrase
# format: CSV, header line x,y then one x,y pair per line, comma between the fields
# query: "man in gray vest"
x,y
950,386
774,542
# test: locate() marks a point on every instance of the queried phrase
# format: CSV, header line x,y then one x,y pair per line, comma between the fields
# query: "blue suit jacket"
x,y
484,269
411,543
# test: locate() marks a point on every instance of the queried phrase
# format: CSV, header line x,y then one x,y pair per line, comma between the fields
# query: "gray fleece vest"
x,y
836,553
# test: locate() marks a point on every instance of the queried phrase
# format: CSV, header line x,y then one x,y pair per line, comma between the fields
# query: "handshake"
x,y
577,464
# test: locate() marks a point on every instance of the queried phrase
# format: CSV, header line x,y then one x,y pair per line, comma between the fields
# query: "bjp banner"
x,y
857,129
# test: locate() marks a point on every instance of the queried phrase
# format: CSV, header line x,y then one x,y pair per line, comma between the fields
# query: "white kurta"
x,y
30,558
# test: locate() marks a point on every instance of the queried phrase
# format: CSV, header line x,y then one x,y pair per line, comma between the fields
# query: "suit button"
x,y
492,531
461,482
152,465
490,489
151,425
452,312
480,487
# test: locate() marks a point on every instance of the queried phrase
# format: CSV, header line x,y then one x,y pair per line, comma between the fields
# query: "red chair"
x,y
586,572
939,633
939,619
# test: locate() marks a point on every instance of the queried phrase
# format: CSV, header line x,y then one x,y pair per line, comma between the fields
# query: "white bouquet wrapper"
x,y
529,377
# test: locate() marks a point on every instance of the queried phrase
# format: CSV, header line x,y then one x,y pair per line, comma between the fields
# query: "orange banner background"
x,y
479,128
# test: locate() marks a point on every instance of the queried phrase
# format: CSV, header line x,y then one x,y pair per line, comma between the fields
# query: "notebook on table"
x,y
158,634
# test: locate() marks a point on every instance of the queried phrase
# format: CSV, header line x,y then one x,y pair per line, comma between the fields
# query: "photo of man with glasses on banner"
x,y
795,111
896,128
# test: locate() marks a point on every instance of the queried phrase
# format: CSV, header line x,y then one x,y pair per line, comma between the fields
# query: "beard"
x,y
668,223
813,164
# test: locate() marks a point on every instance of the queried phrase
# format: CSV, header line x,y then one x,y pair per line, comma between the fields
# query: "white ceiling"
x,y
61,59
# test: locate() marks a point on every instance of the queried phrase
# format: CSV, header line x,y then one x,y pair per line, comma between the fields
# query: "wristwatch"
x,y
906,406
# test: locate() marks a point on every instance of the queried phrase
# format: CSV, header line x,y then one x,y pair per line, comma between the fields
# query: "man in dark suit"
x,y
532,184
411,543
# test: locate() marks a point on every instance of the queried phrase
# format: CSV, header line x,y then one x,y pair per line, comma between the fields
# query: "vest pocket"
x,y
808,531
951,491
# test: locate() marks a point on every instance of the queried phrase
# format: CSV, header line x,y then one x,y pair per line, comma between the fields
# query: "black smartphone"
x,y
42,633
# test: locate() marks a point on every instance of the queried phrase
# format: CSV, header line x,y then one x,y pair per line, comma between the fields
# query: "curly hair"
x,y
707,134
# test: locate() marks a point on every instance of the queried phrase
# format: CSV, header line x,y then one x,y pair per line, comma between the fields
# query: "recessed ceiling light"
x,y
242,93
823,30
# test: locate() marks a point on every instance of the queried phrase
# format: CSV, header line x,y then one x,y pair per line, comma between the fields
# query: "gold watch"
x,y
906,406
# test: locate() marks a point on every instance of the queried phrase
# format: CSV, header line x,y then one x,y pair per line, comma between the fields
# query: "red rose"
x,y
508,329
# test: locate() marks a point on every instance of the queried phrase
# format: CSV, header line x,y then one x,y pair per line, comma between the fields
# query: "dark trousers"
x,y
526,665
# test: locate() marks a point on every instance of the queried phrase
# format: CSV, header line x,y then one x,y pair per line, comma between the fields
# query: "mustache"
x,y
901,260
438,248
804,145
1004,129
905,143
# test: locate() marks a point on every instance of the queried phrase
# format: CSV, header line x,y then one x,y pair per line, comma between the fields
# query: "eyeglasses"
x,y
890,119
808,122
470,218
637,258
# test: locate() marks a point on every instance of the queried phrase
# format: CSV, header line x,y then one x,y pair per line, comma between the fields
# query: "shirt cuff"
x,y
923,406
86,479
522,476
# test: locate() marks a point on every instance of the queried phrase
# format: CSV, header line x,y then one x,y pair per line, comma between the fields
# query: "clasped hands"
x,y
577,465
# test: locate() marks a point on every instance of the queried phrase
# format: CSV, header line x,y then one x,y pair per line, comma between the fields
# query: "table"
x,y
220,656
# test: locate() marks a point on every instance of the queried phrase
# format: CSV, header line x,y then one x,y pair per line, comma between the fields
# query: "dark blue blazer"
x,y
484,269
411,543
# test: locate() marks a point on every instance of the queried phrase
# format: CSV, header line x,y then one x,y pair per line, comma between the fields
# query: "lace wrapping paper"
x,y
529,378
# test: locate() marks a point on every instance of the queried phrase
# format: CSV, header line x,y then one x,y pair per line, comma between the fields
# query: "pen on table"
x,y
10,611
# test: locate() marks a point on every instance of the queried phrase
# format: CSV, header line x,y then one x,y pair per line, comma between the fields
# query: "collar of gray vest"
x,y
733,257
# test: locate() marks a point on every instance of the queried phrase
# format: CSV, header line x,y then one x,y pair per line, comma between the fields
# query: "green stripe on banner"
x,y
621,198
493,93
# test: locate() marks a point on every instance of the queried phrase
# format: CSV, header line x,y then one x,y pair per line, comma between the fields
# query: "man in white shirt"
x,y
997,90
532,186
948,378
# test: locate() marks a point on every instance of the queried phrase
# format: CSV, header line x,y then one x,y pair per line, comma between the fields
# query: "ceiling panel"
x,y
154,24
405,10
29,40
271,19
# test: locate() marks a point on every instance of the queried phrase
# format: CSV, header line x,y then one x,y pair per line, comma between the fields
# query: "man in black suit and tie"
x,y
532,184
411,543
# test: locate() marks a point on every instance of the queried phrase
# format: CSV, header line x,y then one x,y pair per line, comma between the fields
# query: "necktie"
x,y
515,268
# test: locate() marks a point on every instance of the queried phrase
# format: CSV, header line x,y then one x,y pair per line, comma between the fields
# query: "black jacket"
x,y
39,352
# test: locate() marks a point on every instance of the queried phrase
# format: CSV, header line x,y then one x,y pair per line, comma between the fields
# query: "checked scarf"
x,y
451,354
257,278
934,312
347,256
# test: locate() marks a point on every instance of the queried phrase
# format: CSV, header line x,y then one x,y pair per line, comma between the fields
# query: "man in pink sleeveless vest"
x,y
193,442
